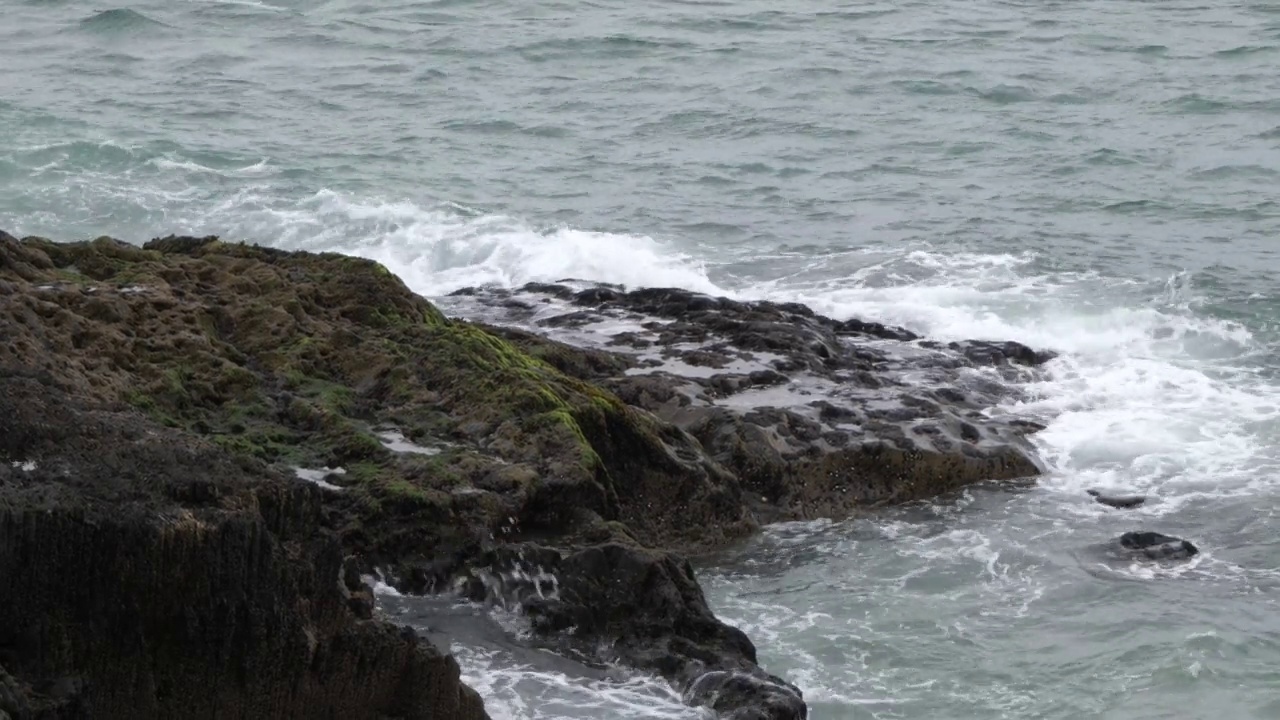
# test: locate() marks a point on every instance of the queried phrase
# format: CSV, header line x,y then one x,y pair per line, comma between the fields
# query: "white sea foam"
x,y
190,166
440,250
515,690
395,441
243,3
318,475
381,588
165,163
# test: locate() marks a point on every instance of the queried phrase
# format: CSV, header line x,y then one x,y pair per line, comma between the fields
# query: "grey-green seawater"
x,y
1099,178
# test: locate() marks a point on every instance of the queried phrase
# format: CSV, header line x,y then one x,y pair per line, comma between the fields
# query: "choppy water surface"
x,y
1094,177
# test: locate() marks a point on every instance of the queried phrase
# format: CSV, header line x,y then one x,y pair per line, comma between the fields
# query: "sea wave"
x,y
118,21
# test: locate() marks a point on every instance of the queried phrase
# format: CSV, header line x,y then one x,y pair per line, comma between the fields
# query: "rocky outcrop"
x,y
150,574
211,441
815,417
1156,546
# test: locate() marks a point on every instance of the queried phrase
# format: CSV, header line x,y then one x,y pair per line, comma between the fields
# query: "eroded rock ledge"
x,y
202,446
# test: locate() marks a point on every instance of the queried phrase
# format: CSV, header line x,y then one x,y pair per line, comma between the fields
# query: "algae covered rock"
x,y
204,373
219,438
310,360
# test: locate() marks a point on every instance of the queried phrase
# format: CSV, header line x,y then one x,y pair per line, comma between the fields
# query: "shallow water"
x,y
1092,177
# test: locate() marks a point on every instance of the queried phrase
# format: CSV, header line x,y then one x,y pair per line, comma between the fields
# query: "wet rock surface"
x,y
646,607
1156,546
232,436
1118,501
816,417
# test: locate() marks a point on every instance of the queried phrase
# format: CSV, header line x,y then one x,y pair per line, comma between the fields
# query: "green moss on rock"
x,y
291,358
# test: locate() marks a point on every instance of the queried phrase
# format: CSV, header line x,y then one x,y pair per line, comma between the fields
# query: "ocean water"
x,y
1096,178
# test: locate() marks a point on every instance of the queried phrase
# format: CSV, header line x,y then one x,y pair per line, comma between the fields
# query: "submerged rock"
x,y
157,403
1156,546
1118,501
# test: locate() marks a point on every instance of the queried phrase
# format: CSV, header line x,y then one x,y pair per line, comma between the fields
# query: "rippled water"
x,y
1094,177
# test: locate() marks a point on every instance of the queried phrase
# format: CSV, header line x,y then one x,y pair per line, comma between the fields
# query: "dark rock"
x,y
771,453
642,608
736,695
517,305
1156,546
768,377
631,340
999,353
1118,501
175,581
181,245
568,319
873,329
558,290
705,358
596,296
